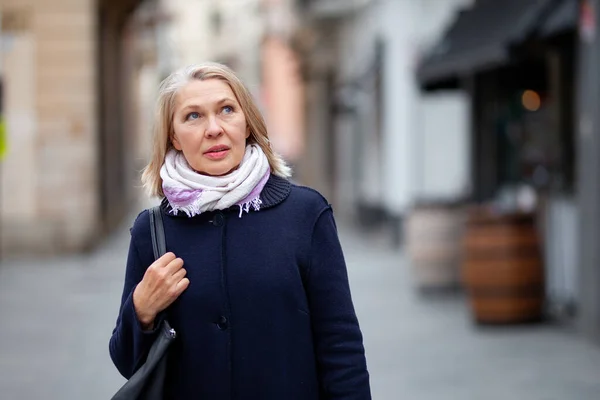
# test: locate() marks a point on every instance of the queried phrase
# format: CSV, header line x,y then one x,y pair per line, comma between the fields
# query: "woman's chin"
x,y
216,170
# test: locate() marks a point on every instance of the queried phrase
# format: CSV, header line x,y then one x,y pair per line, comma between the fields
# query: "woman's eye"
x,y
192,116
227,110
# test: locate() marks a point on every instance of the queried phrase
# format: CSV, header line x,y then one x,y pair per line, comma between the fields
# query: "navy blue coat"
x,y
268,312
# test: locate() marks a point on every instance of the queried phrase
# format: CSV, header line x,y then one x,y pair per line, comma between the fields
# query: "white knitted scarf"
x,y
194,193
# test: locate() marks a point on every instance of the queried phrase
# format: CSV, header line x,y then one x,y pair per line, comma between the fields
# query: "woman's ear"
x,y
247,131
175,142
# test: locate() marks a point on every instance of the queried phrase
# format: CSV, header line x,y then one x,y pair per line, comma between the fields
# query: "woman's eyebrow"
x,y
190,107
218,102
225,100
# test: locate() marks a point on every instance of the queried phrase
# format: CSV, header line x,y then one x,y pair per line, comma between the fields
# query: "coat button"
x,y
218,219
223,323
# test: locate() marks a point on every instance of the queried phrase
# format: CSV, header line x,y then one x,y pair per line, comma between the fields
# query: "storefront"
x,y
518,60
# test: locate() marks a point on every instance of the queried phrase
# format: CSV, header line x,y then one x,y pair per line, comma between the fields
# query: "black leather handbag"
x,y
147,383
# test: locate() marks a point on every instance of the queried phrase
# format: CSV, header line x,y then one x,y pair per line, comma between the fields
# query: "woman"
x,y
254,281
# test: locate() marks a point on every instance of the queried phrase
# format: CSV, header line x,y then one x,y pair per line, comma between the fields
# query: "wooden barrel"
x,y
433,240
502,270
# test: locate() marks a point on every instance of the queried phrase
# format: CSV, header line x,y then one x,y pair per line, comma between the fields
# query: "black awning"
x,y
563,17
480,38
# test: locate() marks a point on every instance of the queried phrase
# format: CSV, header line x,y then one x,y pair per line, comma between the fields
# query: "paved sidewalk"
x,y
428,349
57,315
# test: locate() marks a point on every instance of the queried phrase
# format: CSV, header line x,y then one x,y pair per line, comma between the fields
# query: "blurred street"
x,y
468,128
57,316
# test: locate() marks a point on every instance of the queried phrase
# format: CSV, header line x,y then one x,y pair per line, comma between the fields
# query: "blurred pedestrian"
x,y
254,281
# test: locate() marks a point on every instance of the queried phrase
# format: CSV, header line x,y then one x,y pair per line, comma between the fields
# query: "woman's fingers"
x,y
179,275
182,285
165,259
173,266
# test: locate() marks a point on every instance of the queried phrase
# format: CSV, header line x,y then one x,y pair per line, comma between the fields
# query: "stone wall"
x,y
49,192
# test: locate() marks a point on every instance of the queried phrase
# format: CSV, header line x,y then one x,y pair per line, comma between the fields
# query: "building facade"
x,y
378,137
50,198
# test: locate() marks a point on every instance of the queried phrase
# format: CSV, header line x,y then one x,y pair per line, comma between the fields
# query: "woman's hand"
x,y
161,285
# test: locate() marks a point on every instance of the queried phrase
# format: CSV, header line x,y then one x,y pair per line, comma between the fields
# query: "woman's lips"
x,y
217,152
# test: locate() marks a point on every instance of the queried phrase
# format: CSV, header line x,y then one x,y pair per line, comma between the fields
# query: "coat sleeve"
x,y
129,343
338,340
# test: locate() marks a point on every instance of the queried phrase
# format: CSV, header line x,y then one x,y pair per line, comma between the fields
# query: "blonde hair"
x,y
163,121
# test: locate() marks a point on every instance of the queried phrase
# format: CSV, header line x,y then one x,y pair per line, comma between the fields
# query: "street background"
x,y
457,140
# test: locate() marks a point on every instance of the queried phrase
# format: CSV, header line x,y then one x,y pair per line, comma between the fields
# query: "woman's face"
x,y
209,127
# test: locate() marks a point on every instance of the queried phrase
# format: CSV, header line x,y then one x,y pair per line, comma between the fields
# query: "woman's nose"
x,y
214,128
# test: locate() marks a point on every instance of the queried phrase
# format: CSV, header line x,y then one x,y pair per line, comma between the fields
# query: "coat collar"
x,y
276,190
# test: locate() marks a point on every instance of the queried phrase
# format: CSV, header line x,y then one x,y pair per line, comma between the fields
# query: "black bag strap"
x,y
148,380
157,231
